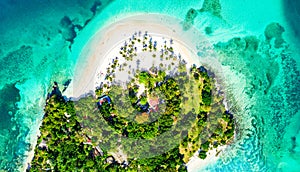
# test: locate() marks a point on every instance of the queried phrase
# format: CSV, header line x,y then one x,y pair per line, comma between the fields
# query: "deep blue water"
x,y
292,12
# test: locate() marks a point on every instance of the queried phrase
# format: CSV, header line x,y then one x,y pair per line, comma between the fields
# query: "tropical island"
x,y
152,111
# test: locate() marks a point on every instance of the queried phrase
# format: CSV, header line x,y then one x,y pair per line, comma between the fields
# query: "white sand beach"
x,y
196,164
104,46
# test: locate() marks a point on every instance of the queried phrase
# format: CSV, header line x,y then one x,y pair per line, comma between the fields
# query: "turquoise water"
x,y
41,40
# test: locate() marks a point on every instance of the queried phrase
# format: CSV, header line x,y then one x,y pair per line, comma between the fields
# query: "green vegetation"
x,y
62,145
152,127
213,126
143,77
127,126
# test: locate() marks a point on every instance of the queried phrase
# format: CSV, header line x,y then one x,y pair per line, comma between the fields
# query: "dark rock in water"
x,y
189,19
66,84
55,91
208,30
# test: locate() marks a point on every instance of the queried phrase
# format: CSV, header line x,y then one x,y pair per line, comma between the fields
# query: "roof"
x,y
104,98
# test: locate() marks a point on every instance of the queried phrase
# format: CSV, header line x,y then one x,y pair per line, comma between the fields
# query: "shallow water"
x,y
40,43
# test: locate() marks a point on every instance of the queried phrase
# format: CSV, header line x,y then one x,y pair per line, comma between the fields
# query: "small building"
x,y
103,99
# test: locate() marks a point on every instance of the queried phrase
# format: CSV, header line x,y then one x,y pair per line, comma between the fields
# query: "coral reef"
x,y
274,30
16,64
212,6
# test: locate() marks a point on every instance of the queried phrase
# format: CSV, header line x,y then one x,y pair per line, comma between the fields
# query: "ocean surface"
x,y
256,43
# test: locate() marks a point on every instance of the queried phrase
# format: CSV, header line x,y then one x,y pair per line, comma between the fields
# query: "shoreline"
x,y
234,83
196,164
103,47
94,54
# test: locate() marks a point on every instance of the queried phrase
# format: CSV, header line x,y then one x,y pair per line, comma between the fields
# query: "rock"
x,y
189,19
208,30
